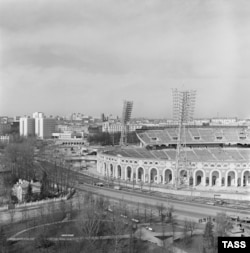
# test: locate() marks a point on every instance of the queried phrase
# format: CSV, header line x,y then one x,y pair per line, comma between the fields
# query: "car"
x,y
135,220
150,228
100,184
210,203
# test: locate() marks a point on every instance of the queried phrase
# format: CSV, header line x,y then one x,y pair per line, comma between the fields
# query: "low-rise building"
x,y
20,189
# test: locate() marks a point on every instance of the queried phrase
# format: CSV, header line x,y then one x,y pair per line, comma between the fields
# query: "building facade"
x,y
27,126
203,174
44,127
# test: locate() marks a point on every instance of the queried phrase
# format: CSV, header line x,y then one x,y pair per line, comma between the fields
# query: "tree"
x,y
208,238
44,186
223,224
19,157
42,242
29,194
189,226
117,227
89,223
3,241
161,211
171,218
12,213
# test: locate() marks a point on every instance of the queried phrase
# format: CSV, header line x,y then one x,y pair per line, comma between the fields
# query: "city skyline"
x,y
61,57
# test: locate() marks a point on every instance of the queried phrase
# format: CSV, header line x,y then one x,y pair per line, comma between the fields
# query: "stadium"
x,y
182,156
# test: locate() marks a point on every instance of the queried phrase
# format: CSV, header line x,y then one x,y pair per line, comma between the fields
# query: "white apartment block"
x,y
37,125
27,126
44,127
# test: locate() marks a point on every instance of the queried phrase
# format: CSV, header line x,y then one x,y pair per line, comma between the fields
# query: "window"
x,y
197,137
175,138
243,137
219,137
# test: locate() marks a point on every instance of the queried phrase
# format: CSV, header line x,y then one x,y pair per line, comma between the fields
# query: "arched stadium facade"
x,y
222,162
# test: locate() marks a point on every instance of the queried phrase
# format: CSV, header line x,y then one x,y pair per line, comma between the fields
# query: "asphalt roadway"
x,y
182,208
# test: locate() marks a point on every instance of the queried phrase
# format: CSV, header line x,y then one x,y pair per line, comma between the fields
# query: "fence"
x,y
6,207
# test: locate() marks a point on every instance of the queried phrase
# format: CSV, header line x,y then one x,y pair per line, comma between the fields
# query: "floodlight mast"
x,y
183,110
126,116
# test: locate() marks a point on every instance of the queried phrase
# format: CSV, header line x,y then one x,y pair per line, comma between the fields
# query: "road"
x,y
190,209
183,208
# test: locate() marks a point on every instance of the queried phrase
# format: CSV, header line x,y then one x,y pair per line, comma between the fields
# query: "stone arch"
x,y
140,174
207,181
199,177
183,175
129,173
245,177
105,169
231,178
119,171
168,176
215,178
153,175
112,174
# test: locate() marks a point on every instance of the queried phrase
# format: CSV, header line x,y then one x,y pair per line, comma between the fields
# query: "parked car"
x,y
150,228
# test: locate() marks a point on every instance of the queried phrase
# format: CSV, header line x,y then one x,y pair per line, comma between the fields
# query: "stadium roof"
x,y
195,135
193,154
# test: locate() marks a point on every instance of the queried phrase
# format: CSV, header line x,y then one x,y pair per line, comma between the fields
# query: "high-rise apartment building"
x,y
44,127
38,125
27,126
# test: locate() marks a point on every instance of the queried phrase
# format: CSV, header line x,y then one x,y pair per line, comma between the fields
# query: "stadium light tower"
x,y
126,116
183,110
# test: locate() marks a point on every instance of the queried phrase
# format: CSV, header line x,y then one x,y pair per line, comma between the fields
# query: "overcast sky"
x,y
87,56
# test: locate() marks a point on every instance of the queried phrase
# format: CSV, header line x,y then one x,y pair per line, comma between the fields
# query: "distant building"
x,y
44,127
224,121
3,120
103,118
38,115
27,126
109,127
38,125
4,128
94,129
4,138
20,189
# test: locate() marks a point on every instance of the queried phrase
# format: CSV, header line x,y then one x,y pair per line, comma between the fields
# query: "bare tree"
x,y
171,219
89,223
12,213
223,224
117,227
192,226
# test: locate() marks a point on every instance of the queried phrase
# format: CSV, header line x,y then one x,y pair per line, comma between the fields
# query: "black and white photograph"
x,y
124,126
